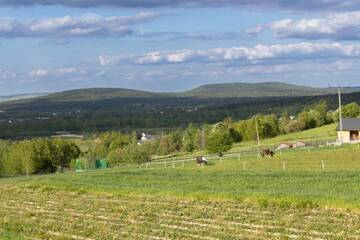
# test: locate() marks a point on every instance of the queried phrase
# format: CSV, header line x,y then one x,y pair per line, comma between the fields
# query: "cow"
x,y
201,160
267,153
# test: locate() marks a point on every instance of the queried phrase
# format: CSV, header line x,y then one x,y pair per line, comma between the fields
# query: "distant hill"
x,y
268,89
21,97
224,90
97,94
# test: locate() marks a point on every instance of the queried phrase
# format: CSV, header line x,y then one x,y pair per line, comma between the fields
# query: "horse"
x,y
267,153
201,160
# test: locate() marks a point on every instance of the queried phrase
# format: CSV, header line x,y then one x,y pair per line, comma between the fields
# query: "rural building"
x,y
350,130
146,138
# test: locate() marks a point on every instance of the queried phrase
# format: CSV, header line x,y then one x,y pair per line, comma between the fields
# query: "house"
x,y
350,130
146,138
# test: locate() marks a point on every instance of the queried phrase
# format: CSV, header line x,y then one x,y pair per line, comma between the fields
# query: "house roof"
x,y
350,124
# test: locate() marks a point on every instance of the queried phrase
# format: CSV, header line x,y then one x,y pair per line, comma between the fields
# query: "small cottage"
x,y
350,130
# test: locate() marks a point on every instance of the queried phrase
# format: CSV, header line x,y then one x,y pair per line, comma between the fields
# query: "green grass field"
x,y
299,194
309,193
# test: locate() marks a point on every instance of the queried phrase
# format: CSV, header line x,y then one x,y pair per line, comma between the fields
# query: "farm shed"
x,y
350,130
284,146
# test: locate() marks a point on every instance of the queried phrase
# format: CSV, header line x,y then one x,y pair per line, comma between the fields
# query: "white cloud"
x,y
70,70
255,30
242,55
39,73
89,25
341,26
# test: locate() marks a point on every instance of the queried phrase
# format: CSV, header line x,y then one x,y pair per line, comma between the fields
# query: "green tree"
x,y
219,140
63,152
351,110
190,143
130,154
18,160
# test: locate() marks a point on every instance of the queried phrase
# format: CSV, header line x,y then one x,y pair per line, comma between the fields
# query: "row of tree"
x,y
36,156
45,155
121,149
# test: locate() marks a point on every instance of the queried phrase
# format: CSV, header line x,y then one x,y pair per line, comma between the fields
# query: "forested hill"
x,y
98,94
225,90
269,89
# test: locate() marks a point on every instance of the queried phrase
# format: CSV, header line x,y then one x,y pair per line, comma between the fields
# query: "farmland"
x,y
315,196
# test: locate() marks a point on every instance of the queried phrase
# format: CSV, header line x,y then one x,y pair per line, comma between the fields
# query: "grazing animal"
x,y
201,160
267,152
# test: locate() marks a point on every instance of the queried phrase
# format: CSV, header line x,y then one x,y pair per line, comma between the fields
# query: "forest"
x,y
43,117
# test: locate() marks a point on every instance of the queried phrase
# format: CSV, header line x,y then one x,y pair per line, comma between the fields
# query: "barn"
x,y
350,130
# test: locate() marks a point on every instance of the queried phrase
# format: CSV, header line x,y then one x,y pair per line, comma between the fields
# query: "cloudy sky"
x,y
162,45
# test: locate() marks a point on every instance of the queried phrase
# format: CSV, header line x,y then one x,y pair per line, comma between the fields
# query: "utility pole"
x,y
340,117
257,133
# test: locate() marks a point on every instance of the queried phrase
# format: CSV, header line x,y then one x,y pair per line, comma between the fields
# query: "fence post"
x,y
323,164
284,166
244,165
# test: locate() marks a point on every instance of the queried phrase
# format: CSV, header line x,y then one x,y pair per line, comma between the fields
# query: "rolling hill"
x,y
21,97
268,89
98,94
223,90
102,109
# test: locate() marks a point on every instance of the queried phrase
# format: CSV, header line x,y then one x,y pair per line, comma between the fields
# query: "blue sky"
x,y
48,46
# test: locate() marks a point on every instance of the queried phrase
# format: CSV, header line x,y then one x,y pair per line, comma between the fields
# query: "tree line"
x,y
49,155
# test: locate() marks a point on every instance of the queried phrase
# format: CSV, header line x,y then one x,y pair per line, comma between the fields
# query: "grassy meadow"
x,y
309,193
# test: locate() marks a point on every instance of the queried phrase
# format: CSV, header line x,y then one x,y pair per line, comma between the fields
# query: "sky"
x,y
162,45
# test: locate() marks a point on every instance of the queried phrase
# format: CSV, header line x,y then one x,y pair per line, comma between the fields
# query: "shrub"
x,y
131,154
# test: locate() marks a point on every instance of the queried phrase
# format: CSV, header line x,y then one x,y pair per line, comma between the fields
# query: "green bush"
x,y
38,156
131,154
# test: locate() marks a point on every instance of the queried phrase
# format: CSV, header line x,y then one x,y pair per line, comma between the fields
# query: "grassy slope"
x,y
321,134
220,201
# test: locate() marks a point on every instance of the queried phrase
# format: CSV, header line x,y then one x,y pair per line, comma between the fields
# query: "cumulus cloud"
x,y
38,73
285,4
340,26
57,72
255,30
89,25
244,55
202,36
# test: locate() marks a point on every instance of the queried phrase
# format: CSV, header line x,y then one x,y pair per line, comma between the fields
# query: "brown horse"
x,y
267,153
201,160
